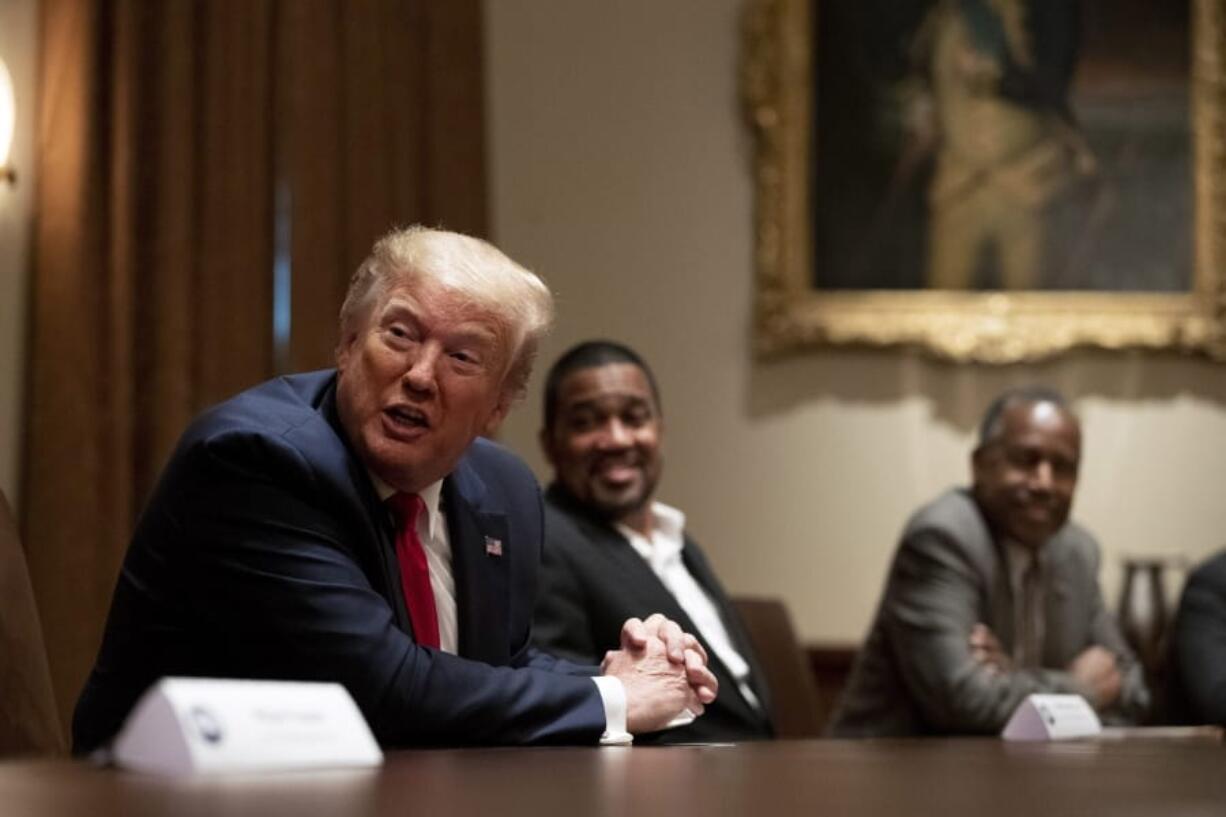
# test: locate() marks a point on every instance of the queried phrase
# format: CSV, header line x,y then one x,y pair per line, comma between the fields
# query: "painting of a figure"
x,y
1002,145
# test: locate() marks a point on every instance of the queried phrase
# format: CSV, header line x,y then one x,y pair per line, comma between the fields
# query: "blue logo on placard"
x,y
206,724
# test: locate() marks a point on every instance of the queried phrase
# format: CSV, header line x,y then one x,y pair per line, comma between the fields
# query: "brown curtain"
x,y
176,139
28,722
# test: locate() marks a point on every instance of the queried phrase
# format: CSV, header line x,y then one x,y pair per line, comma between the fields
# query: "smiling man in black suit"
x,y
612,551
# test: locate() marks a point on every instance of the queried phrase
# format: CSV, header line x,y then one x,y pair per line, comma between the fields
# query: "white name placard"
x,y
1052,717
185,726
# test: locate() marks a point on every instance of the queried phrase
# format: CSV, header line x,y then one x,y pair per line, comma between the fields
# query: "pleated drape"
x,y
177,137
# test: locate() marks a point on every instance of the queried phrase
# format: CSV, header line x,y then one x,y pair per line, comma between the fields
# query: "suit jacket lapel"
x,y
1000,601
630,573
478,542
1063,634
702,573
644,592
379,559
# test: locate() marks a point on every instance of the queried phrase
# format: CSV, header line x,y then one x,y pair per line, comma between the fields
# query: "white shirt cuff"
x,y
683,718
613,699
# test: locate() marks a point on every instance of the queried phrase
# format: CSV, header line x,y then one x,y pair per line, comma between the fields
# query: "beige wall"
x,y
18,49
621,172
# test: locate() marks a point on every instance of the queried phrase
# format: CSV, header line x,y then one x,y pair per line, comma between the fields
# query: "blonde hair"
x,y
477,270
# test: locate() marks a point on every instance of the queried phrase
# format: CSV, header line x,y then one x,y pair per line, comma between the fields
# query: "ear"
x,y
979,462
344,350
498,413
546,442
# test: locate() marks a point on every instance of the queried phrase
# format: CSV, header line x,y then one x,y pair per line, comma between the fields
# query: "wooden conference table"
x,y
946,777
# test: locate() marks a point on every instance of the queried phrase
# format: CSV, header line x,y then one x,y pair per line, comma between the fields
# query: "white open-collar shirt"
x,y
436,541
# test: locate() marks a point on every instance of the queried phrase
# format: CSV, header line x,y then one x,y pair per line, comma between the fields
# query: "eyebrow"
x,y
596,402
470,331
396,308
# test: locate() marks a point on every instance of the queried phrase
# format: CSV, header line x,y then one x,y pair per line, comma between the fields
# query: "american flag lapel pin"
x,y
493,547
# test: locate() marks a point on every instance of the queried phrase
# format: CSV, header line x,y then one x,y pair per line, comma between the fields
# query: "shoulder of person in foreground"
x,y
1198,644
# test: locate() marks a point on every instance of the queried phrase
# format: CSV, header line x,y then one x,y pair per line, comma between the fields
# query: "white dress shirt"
x,y
662,552
436,541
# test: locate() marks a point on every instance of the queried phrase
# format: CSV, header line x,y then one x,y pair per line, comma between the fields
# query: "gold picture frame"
x,y
793,315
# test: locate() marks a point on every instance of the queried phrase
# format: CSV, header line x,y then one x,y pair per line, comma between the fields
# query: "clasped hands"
x,y
1094,668
663,670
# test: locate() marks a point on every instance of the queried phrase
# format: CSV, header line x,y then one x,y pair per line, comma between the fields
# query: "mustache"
x,y
617,458
1035,495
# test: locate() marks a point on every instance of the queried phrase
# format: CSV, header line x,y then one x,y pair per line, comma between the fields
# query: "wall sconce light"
x,y
8,121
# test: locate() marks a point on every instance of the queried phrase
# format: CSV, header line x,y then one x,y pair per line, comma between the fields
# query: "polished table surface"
x,y
946,777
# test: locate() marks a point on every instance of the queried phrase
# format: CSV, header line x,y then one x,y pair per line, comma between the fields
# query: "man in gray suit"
x,y
611,550
993,595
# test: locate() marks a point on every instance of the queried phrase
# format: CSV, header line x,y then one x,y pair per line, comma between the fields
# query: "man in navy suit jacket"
x,y
267,550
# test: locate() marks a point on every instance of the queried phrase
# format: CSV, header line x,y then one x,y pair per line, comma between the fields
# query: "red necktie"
x,y
414,570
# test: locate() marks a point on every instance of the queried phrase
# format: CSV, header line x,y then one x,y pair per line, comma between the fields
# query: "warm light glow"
x,y
8,120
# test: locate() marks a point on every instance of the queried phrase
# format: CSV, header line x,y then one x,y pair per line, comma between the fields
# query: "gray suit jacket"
x,y
915,674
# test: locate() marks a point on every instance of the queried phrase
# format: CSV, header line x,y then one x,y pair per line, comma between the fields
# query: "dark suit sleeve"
x,y
561,623
1200,643
929,610
269,571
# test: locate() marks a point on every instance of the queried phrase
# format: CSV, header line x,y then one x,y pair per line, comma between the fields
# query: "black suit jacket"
x,y
1198,643
264,552
592,580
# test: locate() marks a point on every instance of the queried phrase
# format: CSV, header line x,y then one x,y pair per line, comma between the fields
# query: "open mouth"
x,y
407,418
617,473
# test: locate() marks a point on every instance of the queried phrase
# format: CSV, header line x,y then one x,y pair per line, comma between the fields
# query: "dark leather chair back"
x,y
28,721
795,703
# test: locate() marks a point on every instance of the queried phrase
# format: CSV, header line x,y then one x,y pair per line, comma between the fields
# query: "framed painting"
x,y
989,180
